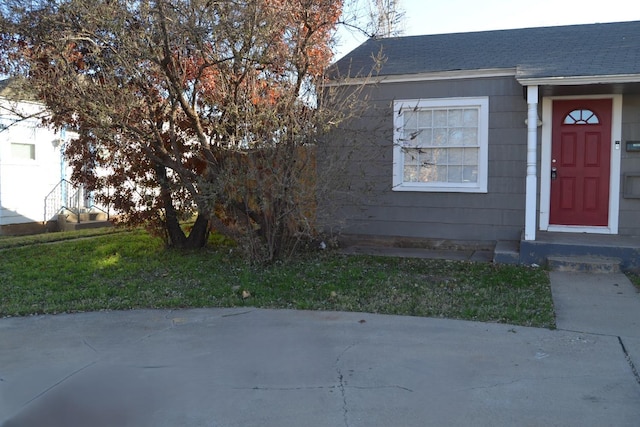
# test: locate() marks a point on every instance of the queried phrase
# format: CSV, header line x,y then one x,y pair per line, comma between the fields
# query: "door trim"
x,y
614,170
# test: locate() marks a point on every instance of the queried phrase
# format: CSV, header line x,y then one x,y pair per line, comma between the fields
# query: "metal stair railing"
x,y
66,196
58,200
101,209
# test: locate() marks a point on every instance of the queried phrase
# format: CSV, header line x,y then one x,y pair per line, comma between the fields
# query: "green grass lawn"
x,y
128,270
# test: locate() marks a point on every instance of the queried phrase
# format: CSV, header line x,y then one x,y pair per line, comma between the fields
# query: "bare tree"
x,y
387,17
374,18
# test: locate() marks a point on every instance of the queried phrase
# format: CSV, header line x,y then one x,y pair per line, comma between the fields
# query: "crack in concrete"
x,y
84,340
627,356
237,314
381,387
526,379
159,331
496,385
300,388
345,407
42,393
598,334
342,386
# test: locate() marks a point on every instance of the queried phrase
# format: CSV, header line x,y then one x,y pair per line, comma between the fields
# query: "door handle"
x,y
554,173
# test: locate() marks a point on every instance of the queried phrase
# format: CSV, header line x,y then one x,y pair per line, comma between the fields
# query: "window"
x,y
441,145
581,117
23,151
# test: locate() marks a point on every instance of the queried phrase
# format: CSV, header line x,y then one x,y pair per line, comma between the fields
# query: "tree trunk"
x,y
199,233
175,234
198,236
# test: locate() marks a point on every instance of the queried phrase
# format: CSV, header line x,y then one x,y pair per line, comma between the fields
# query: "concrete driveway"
x,y
252,367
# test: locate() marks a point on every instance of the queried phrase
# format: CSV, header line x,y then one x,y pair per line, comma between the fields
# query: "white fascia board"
x,y
421,77
579,80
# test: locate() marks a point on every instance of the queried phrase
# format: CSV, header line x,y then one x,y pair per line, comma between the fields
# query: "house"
x,y
525,140
34,186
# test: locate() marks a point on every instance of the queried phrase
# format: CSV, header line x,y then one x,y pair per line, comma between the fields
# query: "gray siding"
x,y
496,215
630,208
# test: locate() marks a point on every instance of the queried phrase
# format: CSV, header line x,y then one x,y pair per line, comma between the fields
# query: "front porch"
x,y
622,249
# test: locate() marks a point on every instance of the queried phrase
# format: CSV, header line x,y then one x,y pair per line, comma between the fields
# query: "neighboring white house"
x,y
32,166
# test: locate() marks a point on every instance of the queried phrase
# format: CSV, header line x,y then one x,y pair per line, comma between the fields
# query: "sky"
x,y
454,16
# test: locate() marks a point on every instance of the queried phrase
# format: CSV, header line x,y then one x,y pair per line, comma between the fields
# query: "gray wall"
x,y
496,215
630,207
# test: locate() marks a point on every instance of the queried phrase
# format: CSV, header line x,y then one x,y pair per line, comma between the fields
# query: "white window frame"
x,y
482,103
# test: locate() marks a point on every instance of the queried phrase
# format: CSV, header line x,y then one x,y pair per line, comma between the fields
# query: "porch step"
x,y
84,225
85,216
625,249
69,221
507,252
584,264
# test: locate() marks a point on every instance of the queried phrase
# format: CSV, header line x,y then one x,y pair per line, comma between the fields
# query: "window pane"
x,y
428,173
424,137
471,118
470,174
440,118
439,156
592,119
441,174
409,138
410,120
411,173
456,156
455,137
410,157
424,119
440,137
23,151
454,174
427,157
456,118
471,156
470,137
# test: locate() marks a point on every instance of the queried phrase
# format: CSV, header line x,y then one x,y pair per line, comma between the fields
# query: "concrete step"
x,y
507,252
86,216
549,244
84,225
584,264
69,221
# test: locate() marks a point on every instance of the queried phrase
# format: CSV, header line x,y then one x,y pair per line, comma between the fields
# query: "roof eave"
x,y
579,80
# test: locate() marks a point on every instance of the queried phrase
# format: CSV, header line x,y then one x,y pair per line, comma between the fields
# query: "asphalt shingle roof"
x,y
565,51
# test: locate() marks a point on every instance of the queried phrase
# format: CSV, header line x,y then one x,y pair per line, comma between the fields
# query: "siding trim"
x,y
423,77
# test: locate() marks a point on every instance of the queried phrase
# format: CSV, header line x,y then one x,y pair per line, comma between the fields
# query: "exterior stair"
x,y
573,252
70,221
584,264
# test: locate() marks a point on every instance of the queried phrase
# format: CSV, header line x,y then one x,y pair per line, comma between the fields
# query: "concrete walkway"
x,y
599,304
251,367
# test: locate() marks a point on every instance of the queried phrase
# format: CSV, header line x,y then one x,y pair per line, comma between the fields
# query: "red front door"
x,y
580,162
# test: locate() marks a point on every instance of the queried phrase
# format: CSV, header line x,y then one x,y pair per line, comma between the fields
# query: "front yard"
x,y
129,270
